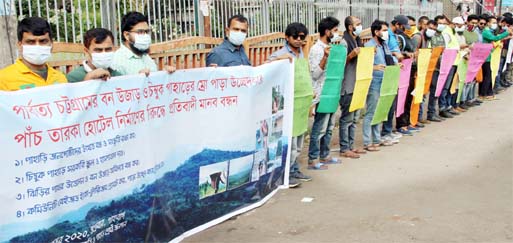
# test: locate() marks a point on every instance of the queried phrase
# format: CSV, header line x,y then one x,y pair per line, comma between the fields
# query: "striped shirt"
x,y
126,62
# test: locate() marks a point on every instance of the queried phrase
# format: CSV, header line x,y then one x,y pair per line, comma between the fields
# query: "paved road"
x,y
452,182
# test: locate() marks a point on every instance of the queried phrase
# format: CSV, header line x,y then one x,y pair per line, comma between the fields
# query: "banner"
x,y
478,56
423,60
330,95
387,94
303,94
364,68
495,63
447,61
404,83
431,66
142,159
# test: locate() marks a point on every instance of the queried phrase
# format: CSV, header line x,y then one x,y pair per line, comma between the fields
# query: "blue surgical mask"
x,y
358,30
237,37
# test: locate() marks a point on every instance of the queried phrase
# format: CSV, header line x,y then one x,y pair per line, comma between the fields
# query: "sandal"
x,y
330,161
317,166
371,148
350,154
359,151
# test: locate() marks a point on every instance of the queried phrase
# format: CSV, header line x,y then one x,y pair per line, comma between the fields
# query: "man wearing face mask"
x,y
99,50
231,52
133,57
382,58
35,48
471,37
485,87
347,125
322,128
437,38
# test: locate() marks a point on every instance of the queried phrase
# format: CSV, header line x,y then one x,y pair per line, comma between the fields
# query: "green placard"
x,y
335,67
387,93
303,94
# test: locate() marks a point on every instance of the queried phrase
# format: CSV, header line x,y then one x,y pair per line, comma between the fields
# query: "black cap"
x,y
402,20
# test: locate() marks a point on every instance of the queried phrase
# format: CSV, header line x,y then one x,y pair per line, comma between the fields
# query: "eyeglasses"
x,y
302,37
141,31
482,23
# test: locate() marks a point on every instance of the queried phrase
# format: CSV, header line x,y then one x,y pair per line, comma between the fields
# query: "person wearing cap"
x,y
464,49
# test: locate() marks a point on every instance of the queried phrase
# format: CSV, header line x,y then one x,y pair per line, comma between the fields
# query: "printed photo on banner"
x,y
212,179
239,172
262,134
278,99
260,164
277,128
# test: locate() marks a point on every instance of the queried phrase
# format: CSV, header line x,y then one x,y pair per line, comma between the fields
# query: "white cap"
x,y
458,20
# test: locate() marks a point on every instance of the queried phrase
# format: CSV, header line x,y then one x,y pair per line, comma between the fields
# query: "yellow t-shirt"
x,y
18,76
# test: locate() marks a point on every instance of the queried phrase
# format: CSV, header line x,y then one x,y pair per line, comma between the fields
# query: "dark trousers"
x,y
485,87
404,119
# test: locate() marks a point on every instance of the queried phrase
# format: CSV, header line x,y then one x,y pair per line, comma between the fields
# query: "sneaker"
x,y
396,135
293,182
386,143
413,129
389,138
420,125
302,177
405,131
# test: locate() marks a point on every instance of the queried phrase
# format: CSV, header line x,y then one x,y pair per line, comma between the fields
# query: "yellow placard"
x,y
494,63
363,78
422,68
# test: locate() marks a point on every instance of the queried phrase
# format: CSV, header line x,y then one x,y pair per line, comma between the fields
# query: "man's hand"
x,y
354,53
327,51
170,69
98,73
146,71
312,110
379,67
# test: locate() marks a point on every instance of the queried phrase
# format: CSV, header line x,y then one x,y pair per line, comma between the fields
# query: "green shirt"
x,y
78,74
126,62
489,37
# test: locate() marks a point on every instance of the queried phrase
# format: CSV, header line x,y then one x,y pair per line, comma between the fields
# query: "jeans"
x,y
432,99
320,136
347,126
371,132
498,79
421,108
444,101
295,150
388,125
465,94
485,87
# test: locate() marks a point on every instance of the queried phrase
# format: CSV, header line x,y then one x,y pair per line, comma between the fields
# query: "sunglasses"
x,y
482,23
302,37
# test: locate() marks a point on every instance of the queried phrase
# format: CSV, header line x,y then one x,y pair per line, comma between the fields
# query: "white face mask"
x,y
441,27
142,42
430,33
102,59
37,55
237,37
460,29
336,37
384,35
493,26
358,30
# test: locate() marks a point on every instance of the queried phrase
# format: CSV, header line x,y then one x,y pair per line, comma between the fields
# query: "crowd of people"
x,y
400,39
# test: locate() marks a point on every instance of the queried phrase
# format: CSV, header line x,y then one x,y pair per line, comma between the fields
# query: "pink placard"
x,y
404,82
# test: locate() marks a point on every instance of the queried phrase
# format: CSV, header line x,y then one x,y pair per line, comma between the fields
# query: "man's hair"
x,y
432,22
411,18
439,17
238,18
508,20
348,21
490,18
295,29
377,25
508,14
472,17
99,35
131,19
422,18
327,23
34,25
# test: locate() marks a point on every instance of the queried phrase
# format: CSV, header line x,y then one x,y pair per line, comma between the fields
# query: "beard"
x,y
135,50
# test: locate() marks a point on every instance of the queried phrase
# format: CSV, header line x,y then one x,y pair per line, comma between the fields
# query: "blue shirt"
x,y
379,58
226,55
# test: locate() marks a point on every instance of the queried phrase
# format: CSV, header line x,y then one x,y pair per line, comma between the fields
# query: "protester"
x,y
133,57
320,136
231,52
347,125
485,87
382,58
295,34
99,52
35,48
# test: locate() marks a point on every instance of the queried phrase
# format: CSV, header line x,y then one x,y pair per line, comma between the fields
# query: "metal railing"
x,y
175,19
